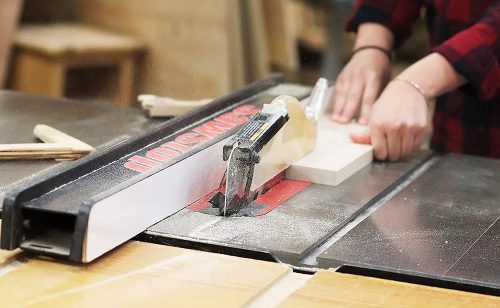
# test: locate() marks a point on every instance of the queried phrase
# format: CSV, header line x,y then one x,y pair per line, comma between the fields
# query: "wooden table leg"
x,y
9,13
125,81
36,74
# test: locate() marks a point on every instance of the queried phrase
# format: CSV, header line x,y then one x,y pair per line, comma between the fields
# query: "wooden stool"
x,y
46,55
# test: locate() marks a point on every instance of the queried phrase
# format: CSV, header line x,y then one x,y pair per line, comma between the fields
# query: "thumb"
x,y
361,138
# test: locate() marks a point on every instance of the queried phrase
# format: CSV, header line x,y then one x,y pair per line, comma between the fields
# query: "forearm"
x,y
374,34
434,74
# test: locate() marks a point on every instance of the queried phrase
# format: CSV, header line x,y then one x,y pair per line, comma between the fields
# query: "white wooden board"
x,y
335,157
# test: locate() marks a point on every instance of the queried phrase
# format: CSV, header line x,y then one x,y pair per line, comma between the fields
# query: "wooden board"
x,y
335,157
61,38
330,289
191,43
255,42
136,275
9,13
281,36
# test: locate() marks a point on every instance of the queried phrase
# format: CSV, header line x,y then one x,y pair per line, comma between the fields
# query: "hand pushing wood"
x,y
59,146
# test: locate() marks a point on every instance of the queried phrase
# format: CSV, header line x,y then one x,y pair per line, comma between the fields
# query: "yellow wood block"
x,y
136,274
330,289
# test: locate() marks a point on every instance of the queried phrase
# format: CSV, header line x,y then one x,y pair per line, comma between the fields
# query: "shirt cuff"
x,y
369,13
470,54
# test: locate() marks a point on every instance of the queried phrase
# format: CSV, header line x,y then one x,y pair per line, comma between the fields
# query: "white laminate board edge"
x,y
335,157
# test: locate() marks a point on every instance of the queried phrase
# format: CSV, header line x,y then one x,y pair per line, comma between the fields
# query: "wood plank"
x,y
255,42
9,14
335,157
137,274
51,135
281,36
330,289
157,106
188,42
235,37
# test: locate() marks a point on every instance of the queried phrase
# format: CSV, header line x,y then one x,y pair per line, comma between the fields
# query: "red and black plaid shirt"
x,y
467,34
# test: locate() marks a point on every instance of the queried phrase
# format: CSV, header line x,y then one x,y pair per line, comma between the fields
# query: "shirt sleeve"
x,y
475,52
396,15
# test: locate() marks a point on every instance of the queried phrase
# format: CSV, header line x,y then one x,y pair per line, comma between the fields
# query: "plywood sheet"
x,y
137,275
255,42
281,35
330,289
193,45
335,157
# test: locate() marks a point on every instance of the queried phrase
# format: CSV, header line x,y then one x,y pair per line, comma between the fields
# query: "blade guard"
x,y
267,158
296,139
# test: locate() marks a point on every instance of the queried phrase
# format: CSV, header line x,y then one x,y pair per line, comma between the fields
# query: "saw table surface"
x,y
149,275
95,123
311,216
446,223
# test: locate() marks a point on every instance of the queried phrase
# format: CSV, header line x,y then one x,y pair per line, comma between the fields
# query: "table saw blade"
x,y
238,179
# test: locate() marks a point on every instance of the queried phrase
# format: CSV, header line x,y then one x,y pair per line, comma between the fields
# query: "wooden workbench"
x,y
149,275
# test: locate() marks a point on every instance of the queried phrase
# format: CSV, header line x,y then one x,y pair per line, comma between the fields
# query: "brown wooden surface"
x,y
136,275
149,275
281,36
61,38
257,51
194,49
330,289
9,13
46,53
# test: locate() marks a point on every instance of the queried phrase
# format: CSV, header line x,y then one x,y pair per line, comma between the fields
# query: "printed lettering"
x,y
246,110
212,129
191,138
176,146
136,167
144,161
161,154
231,119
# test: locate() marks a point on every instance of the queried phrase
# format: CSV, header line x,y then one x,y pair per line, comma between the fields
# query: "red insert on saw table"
x,y
276,192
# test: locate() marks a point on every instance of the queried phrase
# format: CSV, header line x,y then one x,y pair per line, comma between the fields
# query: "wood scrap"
x,y
162,106
51,135
59,146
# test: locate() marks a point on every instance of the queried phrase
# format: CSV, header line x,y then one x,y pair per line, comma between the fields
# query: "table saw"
x,y
432,219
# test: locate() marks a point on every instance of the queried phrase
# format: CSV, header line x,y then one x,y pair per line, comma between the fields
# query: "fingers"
x,y
393,143
352,102
349,96
418,141
379,143
372,90
407,142
341,92
390,141
363,138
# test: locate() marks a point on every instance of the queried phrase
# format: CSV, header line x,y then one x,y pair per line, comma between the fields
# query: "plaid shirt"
x,y
467,34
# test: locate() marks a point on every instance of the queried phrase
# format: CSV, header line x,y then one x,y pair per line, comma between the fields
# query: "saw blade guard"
x,y
296,139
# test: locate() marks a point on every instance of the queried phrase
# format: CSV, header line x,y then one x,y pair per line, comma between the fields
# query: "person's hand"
x,y
397,123
359,84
